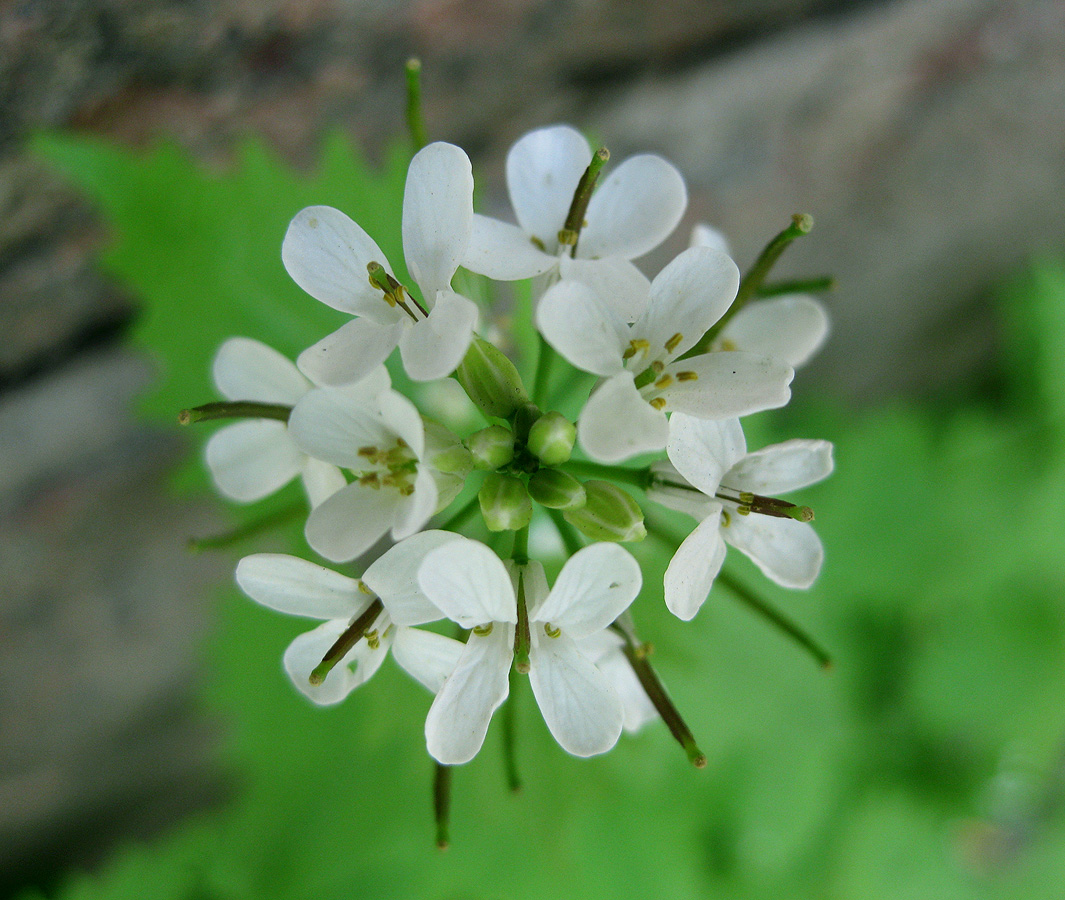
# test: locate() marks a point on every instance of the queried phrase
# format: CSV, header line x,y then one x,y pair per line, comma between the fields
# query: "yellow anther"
x,y
370,479
674,341
657,366
687,376
664,382
658,402
368,452
725,518
551,631
373,639
363,588
726,344
407,490
483,630
636,345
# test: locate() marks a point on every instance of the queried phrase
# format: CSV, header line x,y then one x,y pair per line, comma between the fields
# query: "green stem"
x,y
750,283
545,361
640,478
570,536
776,619
656,693
442,804
354,633
520,553
249,529
234,409
798,286
415,121
510,757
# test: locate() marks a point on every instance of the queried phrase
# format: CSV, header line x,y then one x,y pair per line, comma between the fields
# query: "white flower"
x,y
381,439
251,459
327,255
791,327
301,588
634,209
590,329
604,649
710,469
470,584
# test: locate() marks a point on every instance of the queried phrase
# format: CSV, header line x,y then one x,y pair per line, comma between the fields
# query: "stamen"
x,y
657,366
674,341
658,402
687,376
664,382
551,631
483,630
636,345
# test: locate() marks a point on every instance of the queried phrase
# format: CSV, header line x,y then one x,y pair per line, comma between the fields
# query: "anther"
x,y
687,376
664,382
483,630
636,345
551,631
674,342
658,402
657,366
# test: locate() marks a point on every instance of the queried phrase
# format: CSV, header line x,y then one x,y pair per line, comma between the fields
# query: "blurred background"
x,y
141,713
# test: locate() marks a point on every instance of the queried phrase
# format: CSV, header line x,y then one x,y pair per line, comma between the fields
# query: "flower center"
x,y
395,467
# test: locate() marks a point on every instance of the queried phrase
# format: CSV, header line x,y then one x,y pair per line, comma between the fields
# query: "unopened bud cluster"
x,y
679,358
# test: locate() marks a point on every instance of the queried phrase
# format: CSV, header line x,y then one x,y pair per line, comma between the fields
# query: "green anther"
x,y
551,631
483,630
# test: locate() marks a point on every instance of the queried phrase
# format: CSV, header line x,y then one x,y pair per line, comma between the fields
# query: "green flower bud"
x,y
444,451
556,489
505,504
490,380
609,515
491,447
551,438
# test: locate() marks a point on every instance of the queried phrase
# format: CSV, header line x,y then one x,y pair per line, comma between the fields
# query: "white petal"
x,y
617,422
781,468
581,709
704,235
459,717
437,215
351,521
636,207
615,281
307,651
604,649
321,480
394,578
504,252
300,588
788,552
790,328
427,657
412,512
674,491
250,460
244,369
703,450
333,425
728,385
687,297
469,583
583,330
694,567
595,586
326,254
350,353
543,169
403,419
434,347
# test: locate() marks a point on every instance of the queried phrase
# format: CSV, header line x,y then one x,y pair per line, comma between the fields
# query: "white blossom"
x,y
471,586
636,206
381,439
709,469
251,459
327,254
591,330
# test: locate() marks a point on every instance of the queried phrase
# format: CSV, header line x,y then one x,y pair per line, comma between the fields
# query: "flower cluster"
x,y
674,362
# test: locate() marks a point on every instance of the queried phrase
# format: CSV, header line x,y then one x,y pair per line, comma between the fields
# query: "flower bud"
x,y
610,514
551,439
491,447
556,489
444,451
490,379
505,504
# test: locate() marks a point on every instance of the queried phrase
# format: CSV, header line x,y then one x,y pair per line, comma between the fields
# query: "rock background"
x,y
926,136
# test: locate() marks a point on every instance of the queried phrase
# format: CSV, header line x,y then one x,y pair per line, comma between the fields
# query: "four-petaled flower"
x,y
646,376
471,586
713,478
327,255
